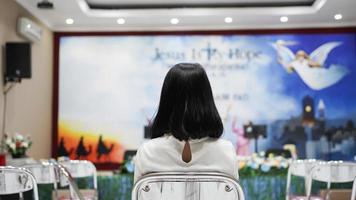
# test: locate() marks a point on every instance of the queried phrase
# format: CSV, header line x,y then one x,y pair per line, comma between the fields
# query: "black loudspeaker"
x,y
18,61
253,131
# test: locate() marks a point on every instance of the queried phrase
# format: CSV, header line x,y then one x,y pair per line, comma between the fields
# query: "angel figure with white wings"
x,y
311,68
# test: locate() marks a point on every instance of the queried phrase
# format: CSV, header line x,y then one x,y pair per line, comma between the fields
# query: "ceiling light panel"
x,y
162,4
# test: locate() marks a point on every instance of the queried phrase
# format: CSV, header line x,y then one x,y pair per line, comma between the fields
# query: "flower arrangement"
x,y
17,145
257,164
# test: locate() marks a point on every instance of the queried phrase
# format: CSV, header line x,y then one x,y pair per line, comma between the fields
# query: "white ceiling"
x,y
189,2
184,1
320,14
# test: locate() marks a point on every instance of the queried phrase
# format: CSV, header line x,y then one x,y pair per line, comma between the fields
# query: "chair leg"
x,y
308,185
328,191
21,196
288,184
353,195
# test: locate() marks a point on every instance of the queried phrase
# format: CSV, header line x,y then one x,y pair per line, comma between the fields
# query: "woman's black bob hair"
x,y
186,108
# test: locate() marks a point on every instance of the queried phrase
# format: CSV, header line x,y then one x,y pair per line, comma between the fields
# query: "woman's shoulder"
x,y
168,141
155,143
221,142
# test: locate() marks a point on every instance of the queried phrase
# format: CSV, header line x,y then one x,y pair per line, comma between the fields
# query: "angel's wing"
x,y
320,78
284,53
320,54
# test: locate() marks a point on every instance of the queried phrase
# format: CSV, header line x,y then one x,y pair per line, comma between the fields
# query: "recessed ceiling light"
x,y
28,26
284,19
69,21
174,21
338,16
121,21
228,19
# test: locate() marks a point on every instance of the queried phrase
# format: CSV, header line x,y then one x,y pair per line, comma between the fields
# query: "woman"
x,y
187,128
243,143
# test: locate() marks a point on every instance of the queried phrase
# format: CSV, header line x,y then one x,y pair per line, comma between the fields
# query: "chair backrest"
x,y
67,179
45,173
301,168
17,180
187,186
81,169
72,169
334,172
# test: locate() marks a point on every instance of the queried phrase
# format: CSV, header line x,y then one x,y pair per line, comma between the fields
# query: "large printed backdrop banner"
x,y
300,87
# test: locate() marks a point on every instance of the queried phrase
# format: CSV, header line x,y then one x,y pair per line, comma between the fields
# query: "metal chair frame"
x,y
65,168
73,187
18,170
302,168
48,167
143,182
330,178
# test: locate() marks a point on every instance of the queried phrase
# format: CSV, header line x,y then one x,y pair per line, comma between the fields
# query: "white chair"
x,y
17,180
187,186
45,173
334,172
80,169
301,168
66,179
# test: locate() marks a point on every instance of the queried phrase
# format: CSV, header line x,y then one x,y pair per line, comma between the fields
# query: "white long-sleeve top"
x,y
164,154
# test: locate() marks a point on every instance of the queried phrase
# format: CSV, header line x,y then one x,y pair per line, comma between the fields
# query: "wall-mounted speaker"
x,y
17,61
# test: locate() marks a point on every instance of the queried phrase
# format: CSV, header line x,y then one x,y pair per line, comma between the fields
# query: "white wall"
x,y
30,102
